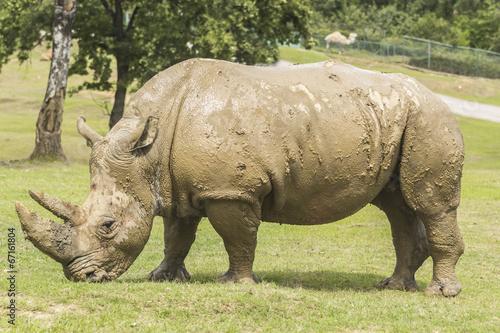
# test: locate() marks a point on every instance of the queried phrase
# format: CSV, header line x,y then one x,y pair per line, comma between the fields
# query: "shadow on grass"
x,y
322,280
33,162
325,280
314,280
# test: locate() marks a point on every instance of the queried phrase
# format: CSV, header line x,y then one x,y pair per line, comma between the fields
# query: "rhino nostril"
x,y
97,276
91,276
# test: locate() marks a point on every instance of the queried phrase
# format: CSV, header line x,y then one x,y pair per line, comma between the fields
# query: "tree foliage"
x,y
145,37
20,24
158,34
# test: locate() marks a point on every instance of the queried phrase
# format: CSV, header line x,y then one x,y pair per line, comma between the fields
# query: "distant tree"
x,y
326,9
460,31
48,125
394,22
495,41
484,28
467,7
20,26
145,37
353,15
430,26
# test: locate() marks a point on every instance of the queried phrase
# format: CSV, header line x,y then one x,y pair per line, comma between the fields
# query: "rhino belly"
x,y
332,191
318,206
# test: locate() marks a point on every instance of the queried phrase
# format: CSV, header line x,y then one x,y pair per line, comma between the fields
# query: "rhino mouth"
x,y
86,268
89,274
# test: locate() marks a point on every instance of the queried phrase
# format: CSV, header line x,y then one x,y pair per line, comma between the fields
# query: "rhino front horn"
x,y
51,238
62,209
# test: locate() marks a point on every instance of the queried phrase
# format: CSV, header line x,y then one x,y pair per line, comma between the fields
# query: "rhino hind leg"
x,y
446,246
237,224
409,239
430,176
179,235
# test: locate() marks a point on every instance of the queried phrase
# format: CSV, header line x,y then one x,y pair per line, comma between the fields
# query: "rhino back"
x,y
304,145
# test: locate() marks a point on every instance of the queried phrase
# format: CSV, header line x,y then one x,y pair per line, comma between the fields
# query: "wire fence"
x,y
423,53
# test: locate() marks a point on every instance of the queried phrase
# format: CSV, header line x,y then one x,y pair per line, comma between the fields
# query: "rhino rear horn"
x,y
62,209
51,238
87,132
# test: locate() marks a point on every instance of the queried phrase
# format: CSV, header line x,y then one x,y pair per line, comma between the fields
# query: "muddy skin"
x,y
305,145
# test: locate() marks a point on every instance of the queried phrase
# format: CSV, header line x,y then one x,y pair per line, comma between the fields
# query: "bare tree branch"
x,y
108,9
131,22
118,20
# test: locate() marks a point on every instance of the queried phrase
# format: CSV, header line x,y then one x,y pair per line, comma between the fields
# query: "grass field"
x,y
313,279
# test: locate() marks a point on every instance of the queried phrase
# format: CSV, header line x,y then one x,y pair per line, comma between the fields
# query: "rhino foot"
x,y
398,283
165,272
448,289
231,277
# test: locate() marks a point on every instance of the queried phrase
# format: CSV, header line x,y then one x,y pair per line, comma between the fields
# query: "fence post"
x,y
451,60
477,63
429,55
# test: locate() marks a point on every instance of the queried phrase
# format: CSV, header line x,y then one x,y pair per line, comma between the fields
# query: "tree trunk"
x,y
120,94
48,125
122,62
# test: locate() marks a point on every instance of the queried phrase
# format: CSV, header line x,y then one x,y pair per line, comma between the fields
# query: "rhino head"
x,y
99,240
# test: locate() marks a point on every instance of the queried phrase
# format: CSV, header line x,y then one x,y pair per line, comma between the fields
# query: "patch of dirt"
x,y
52,311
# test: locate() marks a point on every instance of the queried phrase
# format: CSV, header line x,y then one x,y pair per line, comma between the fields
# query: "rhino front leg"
x,y
409,239
179,235
237,224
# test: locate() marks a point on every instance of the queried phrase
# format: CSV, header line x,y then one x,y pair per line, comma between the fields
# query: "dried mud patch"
x,y
52,311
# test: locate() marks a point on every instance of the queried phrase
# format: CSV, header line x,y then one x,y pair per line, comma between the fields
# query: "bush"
x,y
469,64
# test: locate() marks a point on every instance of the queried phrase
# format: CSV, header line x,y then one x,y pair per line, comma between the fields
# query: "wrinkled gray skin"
x,y
306,145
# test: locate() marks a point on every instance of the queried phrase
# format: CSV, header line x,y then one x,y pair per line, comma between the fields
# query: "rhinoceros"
x,y
302,145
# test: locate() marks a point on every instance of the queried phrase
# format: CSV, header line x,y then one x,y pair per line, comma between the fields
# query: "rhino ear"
x,y
148,134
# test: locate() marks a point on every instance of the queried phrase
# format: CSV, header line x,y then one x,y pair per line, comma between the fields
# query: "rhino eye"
x,y
109,226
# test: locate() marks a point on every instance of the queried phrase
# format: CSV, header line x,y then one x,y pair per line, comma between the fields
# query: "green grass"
x,y
301,56
314,279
